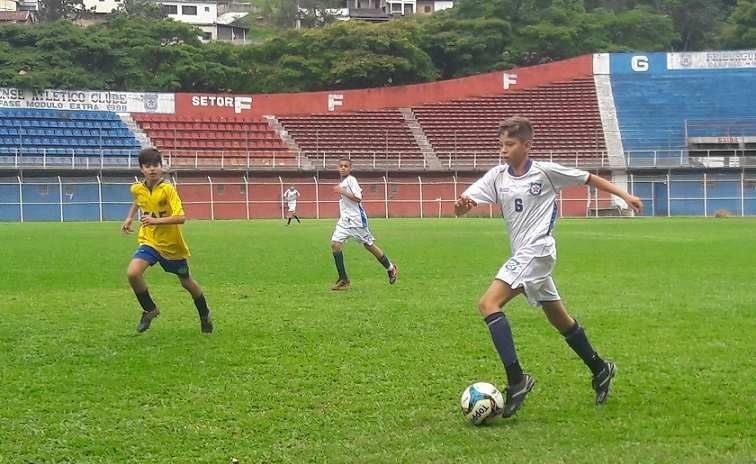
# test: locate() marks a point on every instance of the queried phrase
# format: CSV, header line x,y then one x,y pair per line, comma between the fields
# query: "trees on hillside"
x,y
135,51
128,53
54,10
740,29
344,55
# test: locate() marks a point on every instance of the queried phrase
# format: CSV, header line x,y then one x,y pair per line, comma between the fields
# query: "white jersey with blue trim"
x,y
528,202
351,212
291,195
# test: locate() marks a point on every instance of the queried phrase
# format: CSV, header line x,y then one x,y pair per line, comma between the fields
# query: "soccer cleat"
x,y
341,285
516,395
206,324
146,319
393,273
603,380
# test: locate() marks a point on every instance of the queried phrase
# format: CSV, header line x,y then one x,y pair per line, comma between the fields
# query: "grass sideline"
x,y
297,373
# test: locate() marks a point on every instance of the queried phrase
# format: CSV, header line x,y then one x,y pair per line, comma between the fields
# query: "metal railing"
x,y
202,159
120,159
57,198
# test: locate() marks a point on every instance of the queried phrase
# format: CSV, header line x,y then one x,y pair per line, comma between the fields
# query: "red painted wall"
x,y
226,105
230,192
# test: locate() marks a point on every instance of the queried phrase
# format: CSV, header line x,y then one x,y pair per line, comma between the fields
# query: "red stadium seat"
x,y
212,137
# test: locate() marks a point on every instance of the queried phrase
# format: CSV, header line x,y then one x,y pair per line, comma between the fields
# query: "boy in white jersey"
x,y
526,190
353,223
290,196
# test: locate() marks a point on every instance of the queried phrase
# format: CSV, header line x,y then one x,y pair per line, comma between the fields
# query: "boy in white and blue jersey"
x,y
526,192
290,196
353,223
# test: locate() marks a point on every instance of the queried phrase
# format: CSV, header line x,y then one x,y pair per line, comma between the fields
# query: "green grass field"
x,y
297,373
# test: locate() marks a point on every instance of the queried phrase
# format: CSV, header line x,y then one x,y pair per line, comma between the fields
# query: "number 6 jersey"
x,y
528,202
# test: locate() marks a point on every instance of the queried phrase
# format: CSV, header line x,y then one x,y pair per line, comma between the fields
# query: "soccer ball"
x,y
481,403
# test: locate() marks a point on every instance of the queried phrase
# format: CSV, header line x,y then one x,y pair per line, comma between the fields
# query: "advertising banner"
x,y
82,100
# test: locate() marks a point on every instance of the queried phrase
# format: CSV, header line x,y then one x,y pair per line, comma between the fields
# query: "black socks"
x,y
578,341
201,305
501,333
384,261
145,300
338,257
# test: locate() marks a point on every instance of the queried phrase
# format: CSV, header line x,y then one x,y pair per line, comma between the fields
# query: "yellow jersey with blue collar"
x,y
161,200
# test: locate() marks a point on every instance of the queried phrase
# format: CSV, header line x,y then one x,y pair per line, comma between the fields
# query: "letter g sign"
x,y
639,63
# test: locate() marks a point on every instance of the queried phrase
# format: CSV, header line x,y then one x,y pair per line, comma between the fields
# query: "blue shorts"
x,y
180,267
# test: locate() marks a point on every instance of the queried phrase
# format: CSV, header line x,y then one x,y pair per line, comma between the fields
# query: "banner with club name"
x,y
712,60
119,102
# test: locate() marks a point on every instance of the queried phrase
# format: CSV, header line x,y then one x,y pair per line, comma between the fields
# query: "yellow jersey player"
x,y
160,239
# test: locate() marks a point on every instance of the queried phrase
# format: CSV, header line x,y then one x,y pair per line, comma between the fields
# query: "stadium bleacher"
x,y
653,108
52,132
188,138
565,116
358,135
631,113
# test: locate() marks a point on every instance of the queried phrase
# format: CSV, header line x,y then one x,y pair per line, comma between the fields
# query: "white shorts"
x,y
292,206
361,234
533,273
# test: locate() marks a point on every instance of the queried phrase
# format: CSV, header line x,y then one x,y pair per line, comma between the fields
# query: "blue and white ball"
x,y
481,403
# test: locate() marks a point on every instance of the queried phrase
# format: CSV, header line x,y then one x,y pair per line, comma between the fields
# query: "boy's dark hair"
x,y
516,127
345,159
150,156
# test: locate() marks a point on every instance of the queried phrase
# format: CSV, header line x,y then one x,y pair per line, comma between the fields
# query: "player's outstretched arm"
x,y
126,226
602,184
148,220
463,205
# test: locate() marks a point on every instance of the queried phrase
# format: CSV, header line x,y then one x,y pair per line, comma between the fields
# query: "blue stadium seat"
x,y
655,107
61,132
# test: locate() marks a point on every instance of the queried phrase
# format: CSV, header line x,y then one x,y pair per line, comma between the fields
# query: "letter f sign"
x,y
335,100
509,80
242,103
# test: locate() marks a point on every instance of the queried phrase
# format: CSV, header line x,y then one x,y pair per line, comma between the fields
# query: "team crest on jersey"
x,y
162,203
536,188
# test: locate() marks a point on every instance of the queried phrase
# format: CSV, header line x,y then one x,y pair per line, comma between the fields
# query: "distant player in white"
x,y
290,196
526,192
353,223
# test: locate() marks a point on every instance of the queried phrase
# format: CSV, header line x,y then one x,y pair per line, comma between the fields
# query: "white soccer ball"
x,y
481,403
